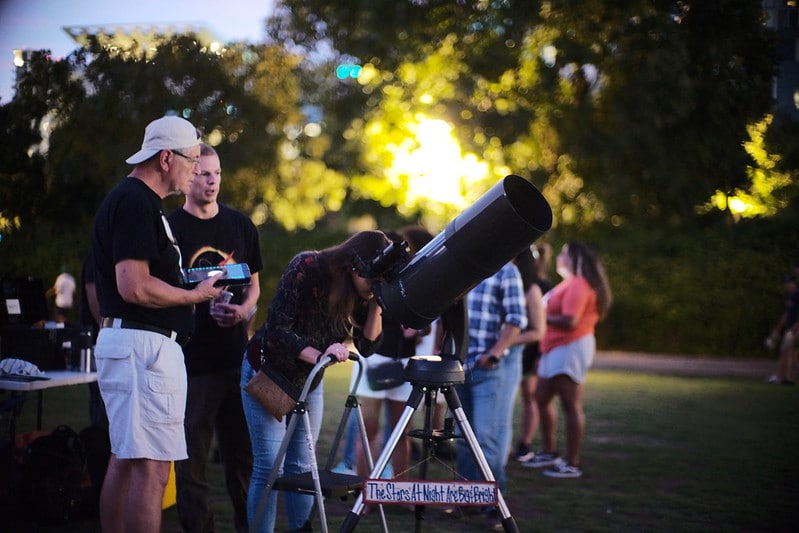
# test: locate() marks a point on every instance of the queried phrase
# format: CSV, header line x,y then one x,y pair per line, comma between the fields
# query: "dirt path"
x,y
684,365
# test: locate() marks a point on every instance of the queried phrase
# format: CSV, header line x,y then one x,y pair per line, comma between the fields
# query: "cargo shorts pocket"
x,y
114,366
163,405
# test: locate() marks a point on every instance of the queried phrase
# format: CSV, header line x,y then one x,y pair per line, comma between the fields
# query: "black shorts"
x,y
531,355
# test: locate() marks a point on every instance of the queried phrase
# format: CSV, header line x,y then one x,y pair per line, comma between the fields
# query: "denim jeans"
x,y
351,437
510,367
480,397
266,435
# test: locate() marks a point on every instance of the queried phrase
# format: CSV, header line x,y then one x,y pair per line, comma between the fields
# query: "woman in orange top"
x,y
573,308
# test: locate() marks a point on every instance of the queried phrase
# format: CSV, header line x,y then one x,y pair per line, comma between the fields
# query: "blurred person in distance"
x,y
785,334
573,308
533,265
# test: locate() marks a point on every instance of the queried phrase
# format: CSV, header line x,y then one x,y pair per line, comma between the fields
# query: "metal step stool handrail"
x,y
323,483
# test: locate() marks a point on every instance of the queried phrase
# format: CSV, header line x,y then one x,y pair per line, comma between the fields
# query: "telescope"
x,y
473,246
477,243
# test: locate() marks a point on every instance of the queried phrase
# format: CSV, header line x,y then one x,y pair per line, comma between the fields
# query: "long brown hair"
x,y
339,263
584,262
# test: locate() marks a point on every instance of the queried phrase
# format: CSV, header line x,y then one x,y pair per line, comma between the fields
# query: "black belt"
x,y
124,323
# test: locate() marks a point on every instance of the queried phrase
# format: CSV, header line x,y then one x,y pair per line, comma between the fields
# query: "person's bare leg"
x,y
402,453
571,397
148,479
544,393
530,417
113,497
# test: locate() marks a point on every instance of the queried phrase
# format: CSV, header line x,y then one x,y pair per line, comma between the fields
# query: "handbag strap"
x,y
262,354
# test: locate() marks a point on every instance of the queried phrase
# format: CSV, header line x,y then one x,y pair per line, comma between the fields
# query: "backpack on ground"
x,y
54,481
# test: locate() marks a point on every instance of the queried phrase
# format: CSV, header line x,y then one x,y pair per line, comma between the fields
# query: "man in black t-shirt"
x,y
212,234
147,314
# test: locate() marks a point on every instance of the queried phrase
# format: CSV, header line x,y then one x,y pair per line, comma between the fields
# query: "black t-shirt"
x,y
129,225
227,238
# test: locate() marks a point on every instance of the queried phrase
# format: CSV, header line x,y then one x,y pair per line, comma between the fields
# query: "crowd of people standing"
x,y
173,358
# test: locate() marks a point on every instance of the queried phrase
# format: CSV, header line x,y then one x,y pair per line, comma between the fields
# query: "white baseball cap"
x,y
165,133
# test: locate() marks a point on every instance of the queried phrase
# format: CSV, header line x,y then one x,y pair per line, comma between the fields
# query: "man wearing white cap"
x,y
147,316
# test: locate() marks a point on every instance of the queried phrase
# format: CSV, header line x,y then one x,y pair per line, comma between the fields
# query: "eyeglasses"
x,y
194,160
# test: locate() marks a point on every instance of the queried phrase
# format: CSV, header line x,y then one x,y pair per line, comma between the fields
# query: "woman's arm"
x,y
536,314
373,326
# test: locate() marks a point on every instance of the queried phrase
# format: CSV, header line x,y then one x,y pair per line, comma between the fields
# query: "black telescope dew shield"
x,y
477,243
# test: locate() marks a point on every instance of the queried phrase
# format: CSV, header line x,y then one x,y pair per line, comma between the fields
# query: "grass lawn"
x,y
662,453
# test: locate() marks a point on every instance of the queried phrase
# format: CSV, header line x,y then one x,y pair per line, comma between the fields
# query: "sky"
x,y
37,24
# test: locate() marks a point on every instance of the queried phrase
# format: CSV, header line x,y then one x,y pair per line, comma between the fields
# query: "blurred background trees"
x,y
649,126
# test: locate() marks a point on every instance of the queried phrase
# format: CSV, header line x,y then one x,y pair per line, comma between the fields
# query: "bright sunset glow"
x,y
435,168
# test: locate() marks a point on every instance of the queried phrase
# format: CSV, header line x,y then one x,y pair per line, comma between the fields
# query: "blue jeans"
x,y
510,367
348,455
480,397
266,435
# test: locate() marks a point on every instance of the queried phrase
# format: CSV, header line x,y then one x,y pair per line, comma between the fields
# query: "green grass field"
x,y
661,453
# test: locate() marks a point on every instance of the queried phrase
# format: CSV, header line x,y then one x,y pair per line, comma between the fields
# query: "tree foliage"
x,y
618,109
72,123
627,114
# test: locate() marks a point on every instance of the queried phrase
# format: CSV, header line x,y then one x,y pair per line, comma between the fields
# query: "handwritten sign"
x,y
423,492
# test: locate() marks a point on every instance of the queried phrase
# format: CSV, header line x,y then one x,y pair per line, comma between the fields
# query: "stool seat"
x,y
333,484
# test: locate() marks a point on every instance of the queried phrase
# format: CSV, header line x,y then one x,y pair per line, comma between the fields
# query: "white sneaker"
x,y
542,459
563,470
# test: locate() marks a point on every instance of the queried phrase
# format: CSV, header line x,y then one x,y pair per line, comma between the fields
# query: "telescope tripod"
x,y
430,375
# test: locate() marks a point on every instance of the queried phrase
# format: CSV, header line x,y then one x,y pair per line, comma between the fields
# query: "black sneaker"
x,y
523,453
542,459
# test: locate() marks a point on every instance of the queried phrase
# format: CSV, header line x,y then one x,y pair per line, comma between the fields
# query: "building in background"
x,y
138,39
781,16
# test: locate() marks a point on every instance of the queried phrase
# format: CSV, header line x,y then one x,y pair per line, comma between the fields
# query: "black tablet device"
x,y
236,274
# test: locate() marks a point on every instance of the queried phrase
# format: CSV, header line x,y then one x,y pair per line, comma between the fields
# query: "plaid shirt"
x,y
496,300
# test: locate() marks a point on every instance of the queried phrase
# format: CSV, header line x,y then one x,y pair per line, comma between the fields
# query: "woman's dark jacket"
x,y
298,317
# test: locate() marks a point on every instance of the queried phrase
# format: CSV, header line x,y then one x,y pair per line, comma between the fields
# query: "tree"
x,y
652,99
97,104
623,109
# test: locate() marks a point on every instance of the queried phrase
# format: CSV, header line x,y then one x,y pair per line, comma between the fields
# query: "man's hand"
x,y
227,315
206,290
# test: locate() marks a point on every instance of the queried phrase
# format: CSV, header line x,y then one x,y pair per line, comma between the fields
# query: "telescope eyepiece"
x,y
386,264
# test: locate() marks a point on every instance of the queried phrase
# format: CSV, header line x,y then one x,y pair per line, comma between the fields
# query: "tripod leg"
x,y
367,450
460,417
427,445
411,405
